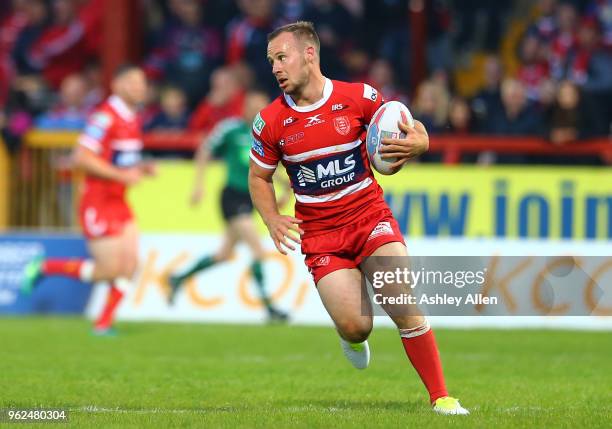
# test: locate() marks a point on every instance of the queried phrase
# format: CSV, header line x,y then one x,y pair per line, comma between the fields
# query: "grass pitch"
x,y
187,375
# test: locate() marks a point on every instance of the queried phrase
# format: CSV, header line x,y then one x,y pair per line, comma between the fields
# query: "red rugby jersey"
x,y
114,133
322,147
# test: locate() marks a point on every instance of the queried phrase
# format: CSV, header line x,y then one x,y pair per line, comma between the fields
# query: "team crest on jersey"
x,y
342,125
258,124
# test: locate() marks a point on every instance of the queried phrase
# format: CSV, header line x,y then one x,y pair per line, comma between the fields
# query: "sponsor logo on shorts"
x,y
342,125
383,228
258,124
321,261
94,226
257,147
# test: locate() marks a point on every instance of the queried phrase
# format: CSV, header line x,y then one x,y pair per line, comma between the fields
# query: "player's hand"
x,y
149,168
196,196
131,176
414,144
282,230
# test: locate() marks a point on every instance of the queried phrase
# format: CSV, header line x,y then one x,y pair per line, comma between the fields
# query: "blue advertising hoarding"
x,y
53,295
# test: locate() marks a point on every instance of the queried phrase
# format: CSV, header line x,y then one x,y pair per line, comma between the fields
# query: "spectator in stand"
x,y
69,42
28,98
174,114
566,120
225,100
335,26
564,40
381,76
602,11
11,25
431,106
36,16
588,64
545,26
70,111
534,67
518,116
488,100
95,92
186,52
383,33
460,118
248,41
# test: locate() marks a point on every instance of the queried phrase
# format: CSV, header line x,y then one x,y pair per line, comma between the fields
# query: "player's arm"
x,y
414,144
90,144
202,159
261,187
87,160
285,187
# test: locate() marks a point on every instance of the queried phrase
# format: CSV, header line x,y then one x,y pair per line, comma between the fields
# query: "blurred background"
x,y
516,95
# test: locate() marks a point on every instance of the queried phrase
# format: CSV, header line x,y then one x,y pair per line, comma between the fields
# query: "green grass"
x,y
183,375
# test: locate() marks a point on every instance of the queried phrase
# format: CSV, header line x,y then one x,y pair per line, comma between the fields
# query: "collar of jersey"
x,y
327,90
121,108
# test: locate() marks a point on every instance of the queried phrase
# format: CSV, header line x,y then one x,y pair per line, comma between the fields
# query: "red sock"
x,y
422,351
108,312
63,267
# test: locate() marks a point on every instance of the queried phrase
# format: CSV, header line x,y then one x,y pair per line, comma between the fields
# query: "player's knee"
x,y
355,331
107,270
128,267
223,256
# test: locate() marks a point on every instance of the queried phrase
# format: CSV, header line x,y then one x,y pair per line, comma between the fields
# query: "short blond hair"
x,y
301,30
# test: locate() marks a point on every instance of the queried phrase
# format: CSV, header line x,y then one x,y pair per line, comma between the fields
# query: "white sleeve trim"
x,y
262,164
90,143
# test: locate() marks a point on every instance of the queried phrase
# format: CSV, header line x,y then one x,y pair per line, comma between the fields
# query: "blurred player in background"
x,y
317,129
231,140
109,152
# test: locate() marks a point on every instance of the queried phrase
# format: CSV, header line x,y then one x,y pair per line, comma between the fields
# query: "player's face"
x,y
287,58
132,87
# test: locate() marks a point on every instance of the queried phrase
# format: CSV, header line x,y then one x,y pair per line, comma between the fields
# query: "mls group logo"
x,y
342,125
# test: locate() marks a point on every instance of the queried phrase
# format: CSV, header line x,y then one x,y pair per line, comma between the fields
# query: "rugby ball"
x,y
384,125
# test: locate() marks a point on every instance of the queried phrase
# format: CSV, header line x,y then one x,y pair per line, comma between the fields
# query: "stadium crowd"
x,y
545,69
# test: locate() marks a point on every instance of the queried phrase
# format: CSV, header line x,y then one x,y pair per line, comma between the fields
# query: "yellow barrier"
x,y
43,186
428,200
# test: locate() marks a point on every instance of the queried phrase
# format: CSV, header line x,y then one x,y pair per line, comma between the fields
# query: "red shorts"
x,y
103,218
347,247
